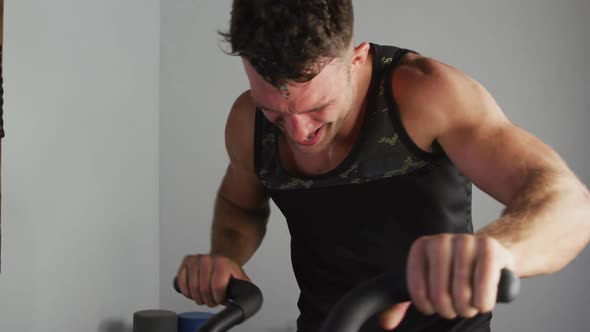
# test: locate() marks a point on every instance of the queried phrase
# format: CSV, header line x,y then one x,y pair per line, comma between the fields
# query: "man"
x,y
369,152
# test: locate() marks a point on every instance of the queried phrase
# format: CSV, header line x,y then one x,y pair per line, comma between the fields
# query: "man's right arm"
x,y
241,207
240,216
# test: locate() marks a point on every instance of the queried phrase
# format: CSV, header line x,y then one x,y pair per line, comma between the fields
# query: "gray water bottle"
x,y
154,321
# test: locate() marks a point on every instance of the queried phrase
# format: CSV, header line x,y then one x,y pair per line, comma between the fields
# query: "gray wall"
x,y
80,202
529,54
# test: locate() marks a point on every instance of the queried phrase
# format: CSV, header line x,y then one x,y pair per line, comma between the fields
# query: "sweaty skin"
x,y
449,274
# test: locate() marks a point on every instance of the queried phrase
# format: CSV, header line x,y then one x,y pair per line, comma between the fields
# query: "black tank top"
x,y
359,220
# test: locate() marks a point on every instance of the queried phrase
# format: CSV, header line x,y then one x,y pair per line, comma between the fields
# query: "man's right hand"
x,y
204,278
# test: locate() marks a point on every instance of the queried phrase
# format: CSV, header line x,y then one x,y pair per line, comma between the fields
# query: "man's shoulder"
x,y
422,73
426,92
239,131
430,84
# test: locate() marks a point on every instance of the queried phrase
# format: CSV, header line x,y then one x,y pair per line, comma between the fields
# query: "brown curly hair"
x,y
290,40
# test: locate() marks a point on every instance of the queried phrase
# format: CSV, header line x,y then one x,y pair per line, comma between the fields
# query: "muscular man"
x,y
370,151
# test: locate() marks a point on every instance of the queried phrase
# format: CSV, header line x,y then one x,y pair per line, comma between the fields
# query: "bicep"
x,y
451,108
494,153
242,188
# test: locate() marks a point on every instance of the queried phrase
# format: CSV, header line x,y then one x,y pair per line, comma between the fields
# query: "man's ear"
x,y
360,55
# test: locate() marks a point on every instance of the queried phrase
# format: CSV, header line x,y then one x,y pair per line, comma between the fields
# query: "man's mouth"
x,y
314,137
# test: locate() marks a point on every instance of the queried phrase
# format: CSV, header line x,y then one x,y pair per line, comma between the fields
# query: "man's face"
x,y
311,116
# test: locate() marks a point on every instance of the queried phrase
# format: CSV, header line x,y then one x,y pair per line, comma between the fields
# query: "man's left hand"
x,y
452,275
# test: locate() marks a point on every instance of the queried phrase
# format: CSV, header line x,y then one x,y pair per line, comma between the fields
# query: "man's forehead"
x,y
301,99
328,68
301,95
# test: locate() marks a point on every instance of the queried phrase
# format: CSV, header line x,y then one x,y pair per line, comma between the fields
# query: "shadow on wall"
x,y
114,326
286,328
120,326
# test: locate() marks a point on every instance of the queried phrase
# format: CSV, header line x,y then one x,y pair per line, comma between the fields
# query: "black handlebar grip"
x,y
246,295
382,292
245,300
508,287
176,287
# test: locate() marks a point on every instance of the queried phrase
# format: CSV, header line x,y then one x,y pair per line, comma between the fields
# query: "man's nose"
x,y
298,127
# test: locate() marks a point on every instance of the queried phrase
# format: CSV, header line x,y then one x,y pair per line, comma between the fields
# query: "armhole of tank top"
x,y
398,125
258,133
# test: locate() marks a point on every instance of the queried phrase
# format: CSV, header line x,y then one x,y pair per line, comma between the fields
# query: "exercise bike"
x,y
348,315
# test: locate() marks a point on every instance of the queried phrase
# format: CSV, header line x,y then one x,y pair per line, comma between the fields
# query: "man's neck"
x,y
354,120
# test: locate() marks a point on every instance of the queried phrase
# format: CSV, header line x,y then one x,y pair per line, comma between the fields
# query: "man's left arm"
x,y
545,224
545,202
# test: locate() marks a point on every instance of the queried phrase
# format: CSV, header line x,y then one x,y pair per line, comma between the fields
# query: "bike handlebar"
x,y
349,314
245,299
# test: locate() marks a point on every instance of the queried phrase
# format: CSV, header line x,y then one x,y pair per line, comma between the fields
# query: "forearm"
x,y
237,232
546,224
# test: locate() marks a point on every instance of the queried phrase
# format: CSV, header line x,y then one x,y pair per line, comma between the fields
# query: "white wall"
x,y
80,204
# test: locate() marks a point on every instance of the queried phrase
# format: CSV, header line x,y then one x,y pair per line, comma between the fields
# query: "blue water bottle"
x,y
192,321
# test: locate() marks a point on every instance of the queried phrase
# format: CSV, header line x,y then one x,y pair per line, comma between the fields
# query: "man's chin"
x,y
310,149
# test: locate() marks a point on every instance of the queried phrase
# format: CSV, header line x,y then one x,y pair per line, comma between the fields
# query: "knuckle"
x,y
424,307
463,296
486,248
225,265
462,303
204,259
487,307
467,312
436,244
219,289
187,261
197,258
461,241
188,258
419,295
416,245
446,237
205,290
448,314
462,274
445,309
222,259
217,284
424,240
219,294
194,290
483,305
436,241
440,299
432,245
